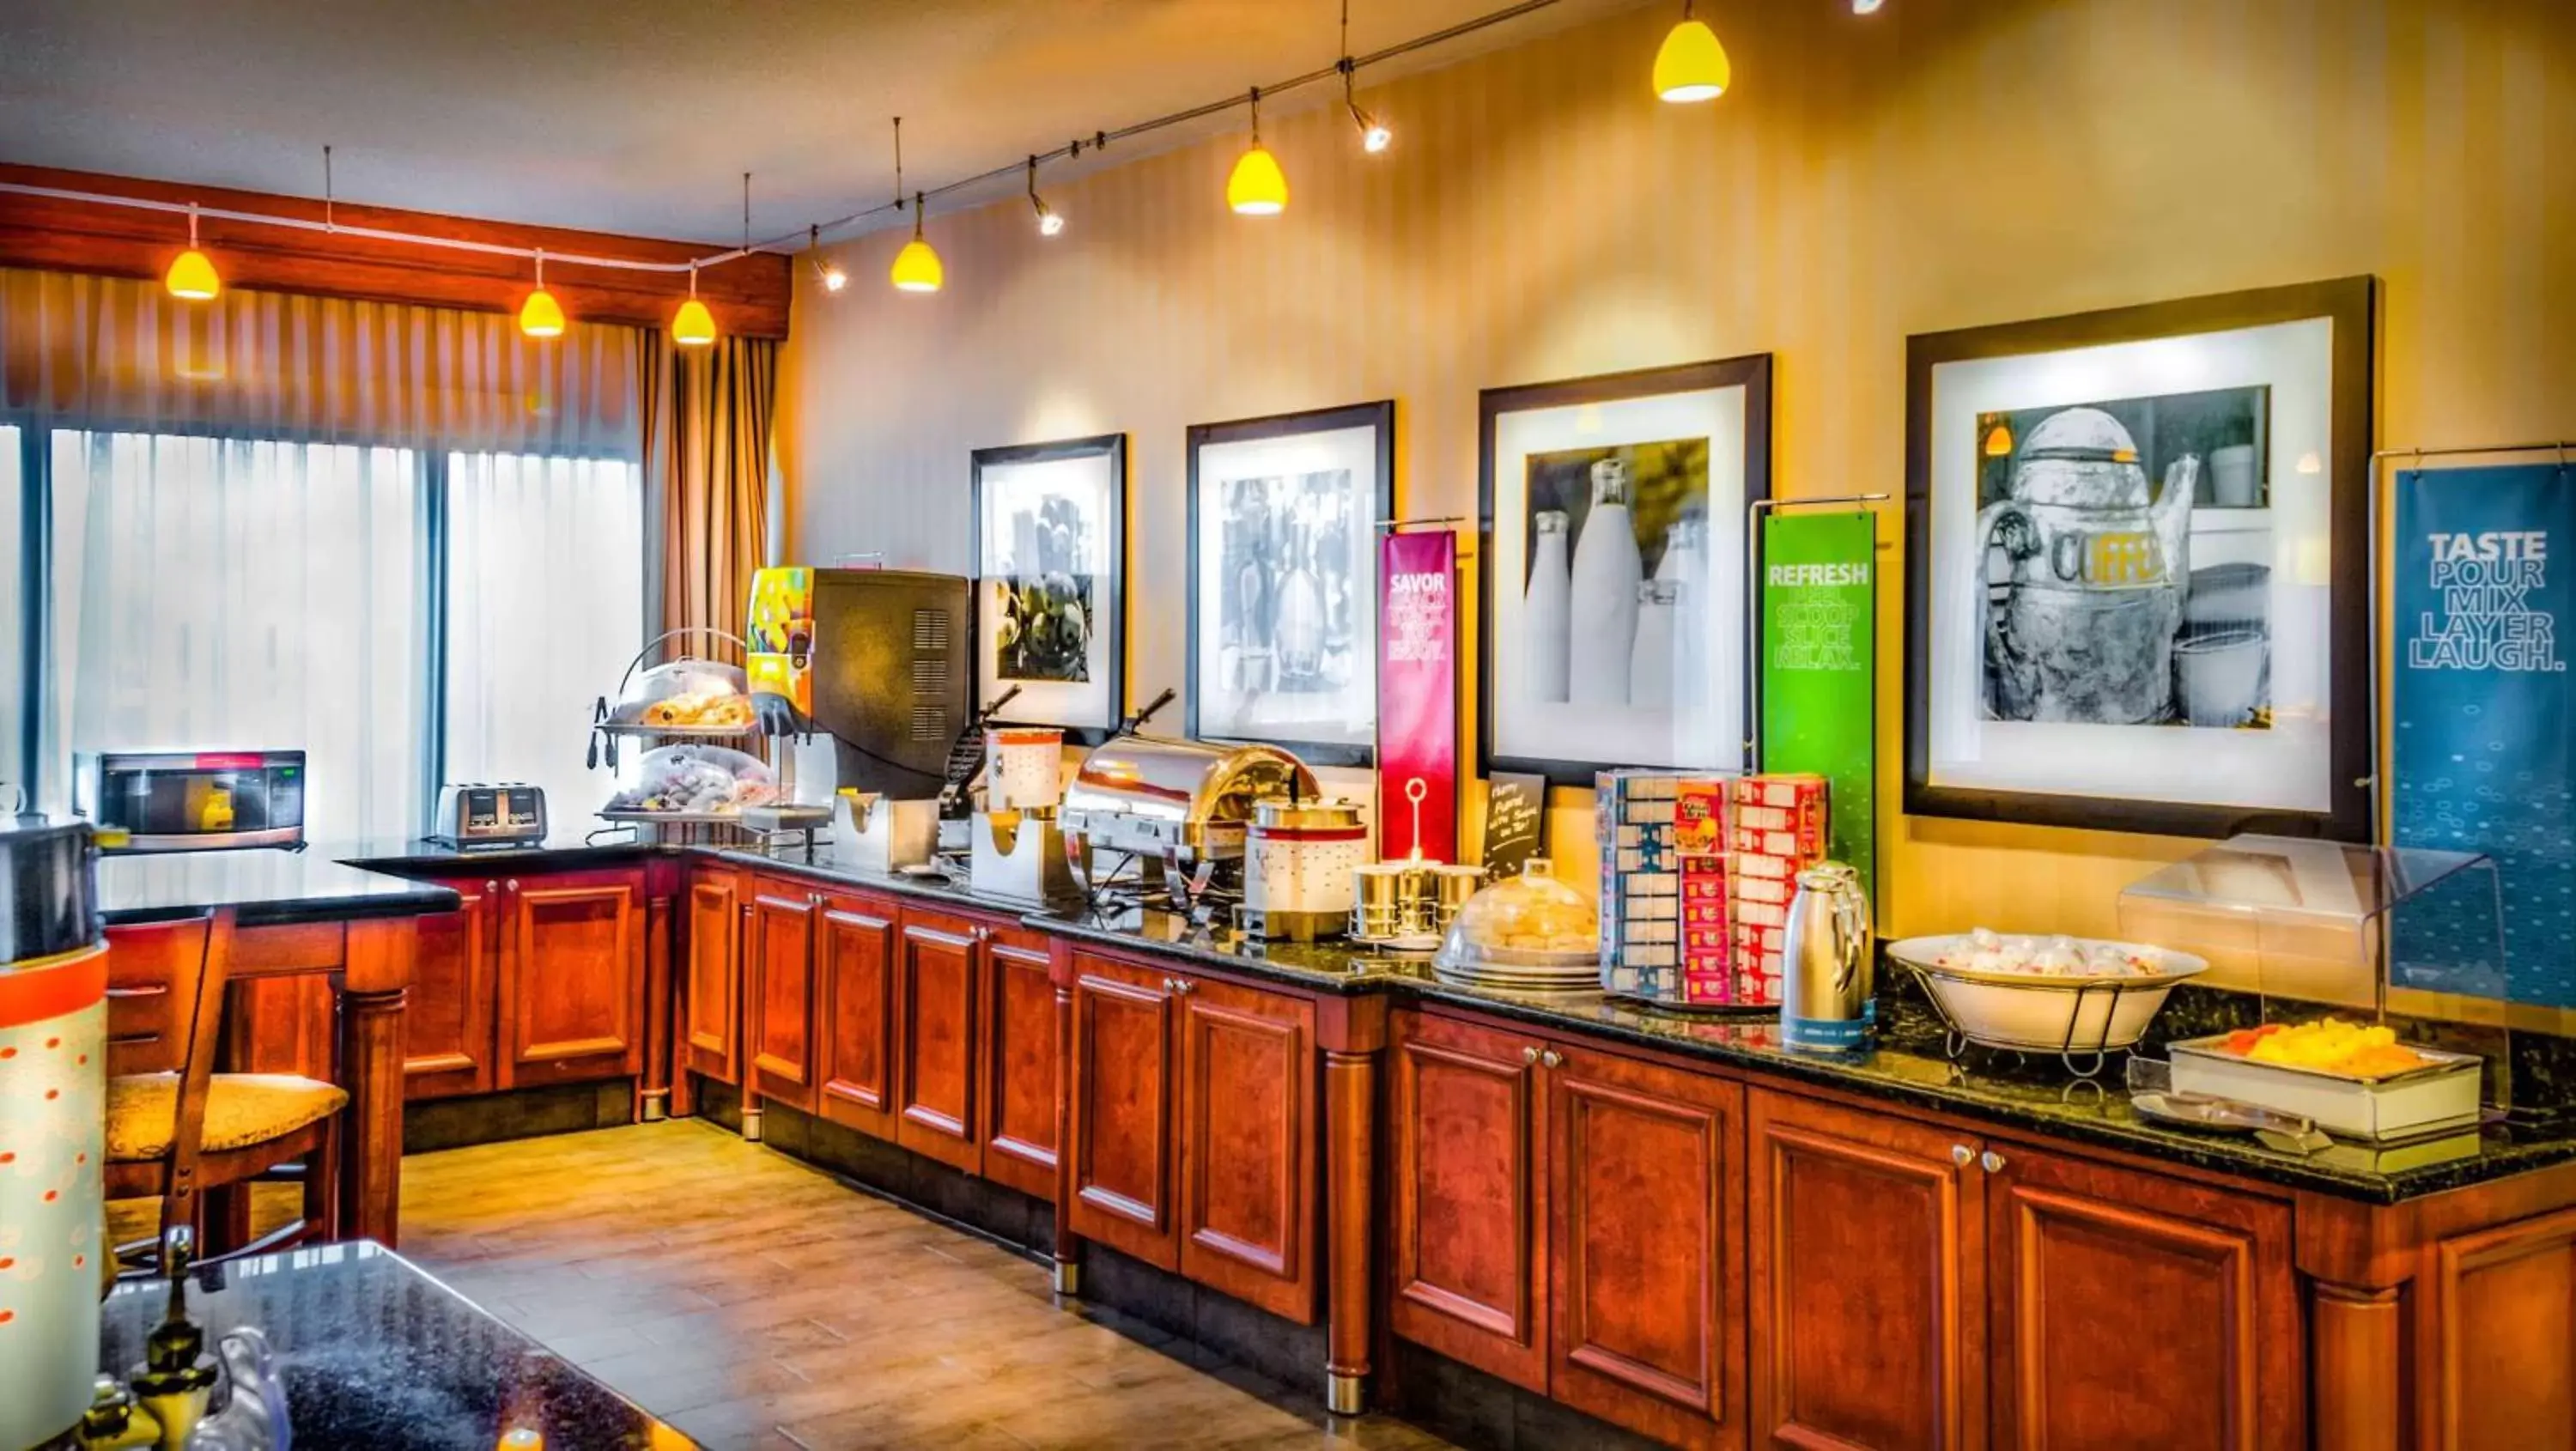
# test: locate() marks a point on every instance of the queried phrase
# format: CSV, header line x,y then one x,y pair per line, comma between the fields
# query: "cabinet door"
x,y
2193,1283
1121,1119
711,1016
935,1052
1019,1056
854,957
1646,1253
1466,1128
779,1035
571,978
1866,1268
1247,1116
447,1015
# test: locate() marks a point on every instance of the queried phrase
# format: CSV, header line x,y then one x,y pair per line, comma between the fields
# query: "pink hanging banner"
x,y
1417,696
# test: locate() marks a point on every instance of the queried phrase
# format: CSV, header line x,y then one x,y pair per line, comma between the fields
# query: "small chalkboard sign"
x,y
1515,822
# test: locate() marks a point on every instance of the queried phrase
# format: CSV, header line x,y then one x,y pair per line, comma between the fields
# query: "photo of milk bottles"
x,y
1615,608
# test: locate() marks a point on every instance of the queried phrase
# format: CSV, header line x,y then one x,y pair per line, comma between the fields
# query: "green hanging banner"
x,y
1820,668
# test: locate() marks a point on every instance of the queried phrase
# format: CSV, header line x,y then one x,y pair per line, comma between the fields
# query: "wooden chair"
x,y
182,1131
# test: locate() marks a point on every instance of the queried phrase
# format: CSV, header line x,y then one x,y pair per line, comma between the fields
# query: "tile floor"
x,y
754,1302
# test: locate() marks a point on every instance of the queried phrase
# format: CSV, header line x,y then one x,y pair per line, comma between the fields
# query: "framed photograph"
x,y
2137,558
1615,617
1283,579
1050,582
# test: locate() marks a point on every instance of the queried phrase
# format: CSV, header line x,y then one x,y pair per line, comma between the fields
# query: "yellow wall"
x,y
1943,164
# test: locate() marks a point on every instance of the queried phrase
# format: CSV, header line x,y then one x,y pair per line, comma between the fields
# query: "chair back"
x,y
203,1015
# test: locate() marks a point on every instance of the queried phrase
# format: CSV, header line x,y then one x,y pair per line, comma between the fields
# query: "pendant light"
x,y
1258,188
916,268
541,316
1050,221
1692,66
826,271
693,326
192,276
1866,7
1374,138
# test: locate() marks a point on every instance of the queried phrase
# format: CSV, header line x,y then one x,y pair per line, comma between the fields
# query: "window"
x,y
545,591
14,772
224,592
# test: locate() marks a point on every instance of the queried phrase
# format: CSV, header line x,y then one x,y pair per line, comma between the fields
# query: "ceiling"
x,y
640,116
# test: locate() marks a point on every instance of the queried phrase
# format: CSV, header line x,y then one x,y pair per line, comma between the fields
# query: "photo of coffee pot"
x,y
2081,571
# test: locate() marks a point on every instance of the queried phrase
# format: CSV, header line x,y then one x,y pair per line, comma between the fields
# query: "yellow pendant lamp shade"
x,y
541,316
1692,66
1258,188
193,277
693,326
916,268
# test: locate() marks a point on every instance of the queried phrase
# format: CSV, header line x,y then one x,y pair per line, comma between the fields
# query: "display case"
x,y
705,752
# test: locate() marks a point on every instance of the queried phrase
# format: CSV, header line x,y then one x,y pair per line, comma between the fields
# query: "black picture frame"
x,y
1752,373
1379,416
2351,305
1114,447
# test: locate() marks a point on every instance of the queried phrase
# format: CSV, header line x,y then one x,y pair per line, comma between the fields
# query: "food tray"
x,y
2440,1094
677,732
676,818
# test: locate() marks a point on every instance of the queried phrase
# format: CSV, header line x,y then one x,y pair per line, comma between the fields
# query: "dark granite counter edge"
x,y
2235,1158
426,902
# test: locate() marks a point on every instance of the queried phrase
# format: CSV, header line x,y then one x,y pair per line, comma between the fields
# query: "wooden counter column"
x,y
374,983
1353,1033
1068,1247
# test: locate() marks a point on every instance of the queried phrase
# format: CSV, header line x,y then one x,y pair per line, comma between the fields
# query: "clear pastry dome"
x,y
1530,920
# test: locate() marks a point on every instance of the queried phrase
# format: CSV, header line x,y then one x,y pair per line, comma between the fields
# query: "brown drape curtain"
x,y
706,414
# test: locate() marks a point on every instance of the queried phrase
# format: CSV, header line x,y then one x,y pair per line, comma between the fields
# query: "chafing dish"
x,y
1152,796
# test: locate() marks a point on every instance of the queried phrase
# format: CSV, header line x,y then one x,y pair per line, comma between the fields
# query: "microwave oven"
x,y
195,800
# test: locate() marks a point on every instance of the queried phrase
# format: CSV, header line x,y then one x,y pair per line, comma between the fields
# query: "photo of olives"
x,y
1043,594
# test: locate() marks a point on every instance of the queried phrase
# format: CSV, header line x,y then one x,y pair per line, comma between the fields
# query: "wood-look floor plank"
x,y
755,1303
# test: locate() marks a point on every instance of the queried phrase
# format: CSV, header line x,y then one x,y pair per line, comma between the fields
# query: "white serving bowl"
x,y
2031,1012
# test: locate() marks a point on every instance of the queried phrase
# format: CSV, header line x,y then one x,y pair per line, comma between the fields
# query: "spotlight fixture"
x,y
192,274
1691,66
1258,188
1866,7
826,271
1374,137
916,268
1050,221
541,316
693,326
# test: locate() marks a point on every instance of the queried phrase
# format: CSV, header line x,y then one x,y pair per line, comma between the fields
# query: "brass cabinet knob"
x,y
1529,1055
491,888
1551,1058
1960,1154
511,885
1991,1161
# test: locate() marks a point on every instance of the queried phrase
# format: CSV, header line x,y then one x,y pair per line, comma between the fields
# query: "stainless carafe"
x,y
1828,996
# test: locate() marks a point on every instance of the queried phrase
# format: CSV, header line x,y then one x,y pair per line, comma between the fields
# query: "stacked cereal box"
x,y
1663,886
1777,827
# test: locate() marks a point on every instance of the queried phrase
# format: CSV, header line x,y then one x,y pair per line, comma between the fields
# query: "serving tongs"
x,y
2152,1094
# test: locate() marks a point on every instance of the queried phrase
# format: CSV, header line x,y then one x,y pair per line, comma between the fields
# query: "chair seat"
x,y
243,1110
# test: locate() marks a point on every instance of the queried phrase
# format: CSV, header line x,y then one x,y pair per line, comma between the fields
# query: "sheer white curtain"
x,y
243,536
254,594
13,660
545,584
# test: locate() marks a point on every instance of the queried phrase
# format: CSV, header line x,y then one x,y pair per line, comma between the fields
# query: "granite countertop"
x,y
421,855
266,884
376,1353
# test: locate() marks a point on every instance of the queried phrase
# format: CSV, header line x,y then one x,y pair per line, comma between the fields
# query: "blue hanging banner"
x,y
2483,704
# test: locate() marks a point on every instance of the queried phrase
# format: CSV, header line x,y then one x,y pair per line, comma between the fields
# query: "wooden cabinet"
x,y
1569,1220
1019,1063
1247,1144
447,1019
1468,1238
854,955
935,982
2194,1283
1867,1270
571,978
1645,1246
1120,1128
711,1010
779,1031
